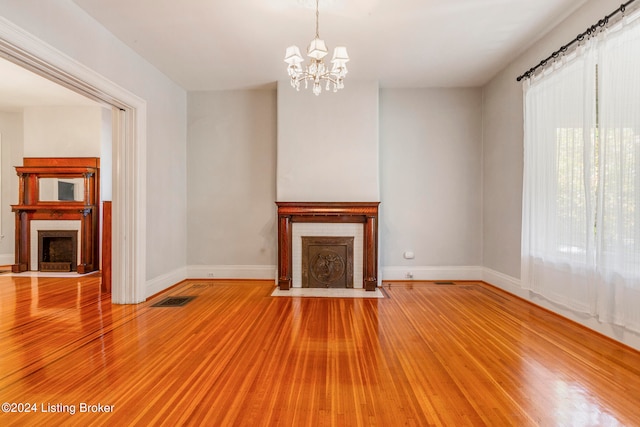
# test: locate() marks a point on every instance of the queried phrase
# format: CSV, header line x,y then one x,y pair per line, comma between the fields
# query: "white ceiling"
x,y
237,44
21,88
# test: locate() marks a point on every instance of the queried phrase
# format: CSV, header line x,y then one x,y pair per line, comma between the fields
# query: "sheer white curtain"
x,y
581,195
558,256
618,225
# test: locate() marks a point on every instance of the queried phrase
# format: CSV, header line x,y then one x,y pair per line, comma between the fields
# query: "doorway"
x,y
128,129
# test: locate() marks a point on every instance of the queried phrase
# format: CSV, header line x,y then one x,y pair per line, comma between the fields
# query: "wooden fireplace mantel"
x,y
30,207
328,212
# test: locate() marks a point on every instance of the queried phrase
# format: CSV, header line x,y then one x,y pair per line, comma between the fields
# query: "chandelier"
x,y
316,71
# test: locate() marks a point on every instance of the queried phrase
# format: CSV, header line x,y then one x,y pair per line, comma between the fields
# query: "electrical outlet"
x,y
209,274
409,275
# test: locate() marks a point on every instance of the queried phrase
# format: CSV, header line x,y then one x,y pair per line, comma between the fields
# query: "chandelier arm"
x,y
305,75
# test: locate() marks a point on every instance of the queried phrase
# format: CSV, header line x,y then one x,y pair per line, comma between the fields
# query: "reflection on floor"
x,y
327,293
52,274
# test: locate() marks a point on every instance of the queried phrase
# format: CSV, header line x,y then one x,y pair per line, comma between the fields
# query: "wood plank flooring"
x,y
427,354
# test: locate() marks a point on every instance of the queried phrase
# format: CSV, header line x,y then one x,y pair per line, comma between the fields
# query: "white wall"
x,y
502,166
12,137
231,164
66,27
430,157
328,144
62,131
429,162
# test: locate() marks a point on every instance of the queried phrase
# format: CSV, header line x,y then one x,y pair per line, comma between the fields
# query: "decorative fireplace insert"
x,y
327,262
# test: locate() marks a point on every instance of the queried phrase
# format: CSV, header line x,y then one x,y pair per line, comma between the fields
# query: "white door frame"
x,y
129,151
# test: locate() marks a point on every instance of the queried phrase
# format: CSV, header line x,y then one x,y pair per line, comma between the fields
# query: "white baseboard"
x,y
433,273
505,282
258,272
160,283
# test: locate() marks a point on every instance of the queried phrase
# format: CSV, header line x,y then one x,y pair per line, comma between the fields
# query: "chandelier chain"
x,y
317,19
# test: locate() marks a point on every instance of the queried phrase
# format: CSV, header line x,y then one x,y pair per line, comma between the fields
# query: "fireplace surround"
x,y
365,213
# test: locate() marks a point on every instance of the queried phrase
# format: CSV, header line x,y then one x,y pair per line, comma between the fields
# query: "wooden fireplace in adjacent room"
x,y
365,213
74,183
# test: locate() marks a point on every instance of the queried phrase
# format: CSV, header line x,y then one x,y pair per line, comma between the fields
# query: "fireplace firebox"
x,y
57,250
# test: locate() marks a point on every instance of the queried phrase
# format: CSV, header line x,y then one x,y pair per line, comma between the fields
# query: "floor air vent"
x,y
173,302
444,283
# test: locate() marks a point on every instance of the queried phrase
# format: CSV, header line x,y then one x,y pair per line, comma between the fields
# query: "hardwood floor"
x,y
427,354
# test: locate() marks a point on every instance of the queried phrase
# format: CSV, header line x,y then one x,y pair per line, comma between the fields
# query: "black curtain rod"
x,y
588,32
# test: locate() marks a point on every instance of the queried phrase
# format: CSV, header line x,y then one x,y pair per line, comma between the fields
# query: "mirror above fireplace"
x,y
60,189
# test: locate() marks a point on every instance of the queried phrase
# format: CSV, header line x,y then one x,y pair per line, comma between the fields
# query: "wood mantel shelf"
x,y
53,207
328,212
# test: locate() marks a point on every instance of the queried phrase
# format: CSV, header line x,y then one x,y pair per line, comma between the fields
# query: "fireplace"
x,y
364,214
57,250
39,200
